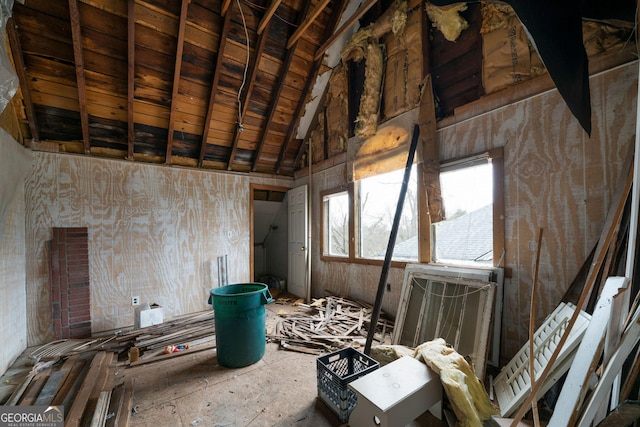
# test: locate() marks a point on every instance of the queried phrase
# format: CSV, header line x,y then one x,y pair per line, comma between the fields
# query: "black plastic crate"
x,y
335,371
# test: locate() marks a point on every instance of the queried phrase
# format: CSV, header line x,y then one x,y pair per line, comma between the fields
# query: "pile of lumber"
x,y
82,384
195,331
329,324
80,374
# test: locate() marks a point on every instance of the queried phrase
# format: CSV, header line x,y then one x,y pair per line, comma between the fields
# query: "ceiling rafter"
x,y
18,59
76,34
226,26
268,15
131,75
225,7
298,113
331,26
176,78
317,10
339,32
262,41
286,66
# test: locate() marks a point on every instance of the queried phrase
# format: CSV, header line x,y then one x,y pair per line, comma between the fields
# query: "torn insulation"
x,y
447,19
367,121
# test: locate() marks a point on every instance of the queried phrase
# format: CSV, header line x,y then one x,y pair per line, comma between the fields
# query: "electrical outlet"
x,y
135,300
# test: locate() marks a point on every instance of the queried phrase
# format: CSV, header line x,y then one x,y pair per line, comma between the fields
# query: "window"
x,y
335,210
376,206
466,236
357,220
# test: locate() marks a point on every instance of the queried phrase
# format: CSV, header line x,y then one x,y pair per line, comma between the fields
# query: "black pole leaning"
x,y
375,315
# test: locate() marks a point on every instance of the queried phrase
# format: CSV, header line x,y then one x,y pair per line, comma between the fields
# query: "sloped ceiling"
x,y
213,84
208,84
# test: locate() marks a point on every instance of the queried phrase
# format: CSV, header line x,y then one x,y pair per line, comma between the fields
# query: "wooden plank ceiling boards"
x,y
217,85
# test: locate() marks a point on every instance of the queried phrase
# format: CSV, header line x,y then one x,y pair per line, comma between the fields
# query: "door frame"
x,y
252,188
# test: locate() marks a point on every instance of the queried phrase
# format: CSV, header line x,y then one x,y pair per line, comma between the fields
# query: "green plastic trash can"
x,y
240,322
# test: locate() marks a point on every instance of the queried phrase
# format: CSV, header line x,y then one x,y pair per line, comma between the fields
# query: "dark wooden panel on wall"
x,y
70,281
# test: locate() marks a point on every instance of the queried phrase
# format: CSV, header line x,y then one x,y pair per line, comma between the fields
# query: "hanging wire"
x,y
257,6
246,68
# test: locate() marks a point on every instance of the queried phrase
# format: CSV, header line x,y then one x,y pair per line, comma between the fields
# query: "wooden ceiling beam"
x,y
226,26
339,32
317,10
18,60
176,78
225,7
298,113
286,66
268,15
76,34
331,26
257,54
131,75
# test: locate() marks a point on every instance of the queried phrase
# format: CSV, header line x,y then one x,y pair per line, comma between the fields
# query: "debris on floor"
x,y
79,374
328,324
467,395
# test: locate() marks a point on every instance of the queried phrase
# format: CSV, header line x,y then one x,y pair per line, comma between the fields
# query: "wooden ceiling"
x,y
212,84
217,84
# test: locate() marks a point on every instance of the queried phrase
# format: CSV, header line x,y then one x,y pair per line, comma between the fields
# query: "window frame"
x,y
324,219
424,220
496,159
358,213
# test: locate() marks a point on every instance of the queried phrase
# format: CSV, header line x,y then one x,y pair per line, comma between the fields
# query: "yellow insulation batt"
x,y
355,48
447,19
367,121
393,20
337,111
468,397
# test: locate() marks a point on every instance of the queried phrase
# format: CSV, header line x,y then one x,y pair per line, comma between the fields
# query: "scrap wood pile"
x,y
82,385
195,332
79,374
328,324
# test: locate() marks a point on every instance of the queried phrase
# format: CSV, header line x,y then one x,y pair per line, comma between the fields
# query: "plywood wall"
x,y
556,178
13,303
154,232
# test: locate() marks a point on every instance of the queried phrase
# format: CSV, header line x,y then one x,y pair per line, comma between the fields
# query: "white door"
x,y
298,238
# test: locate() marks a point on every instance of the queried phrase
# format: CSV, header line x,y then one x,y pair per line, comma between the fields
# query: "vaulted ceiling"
x,y
217,84
212,84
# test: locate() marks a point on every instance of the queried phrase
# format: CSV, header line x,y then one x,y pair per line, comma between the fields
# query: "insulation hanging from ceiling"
x,y
506,55
393,20
447,19
403,75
